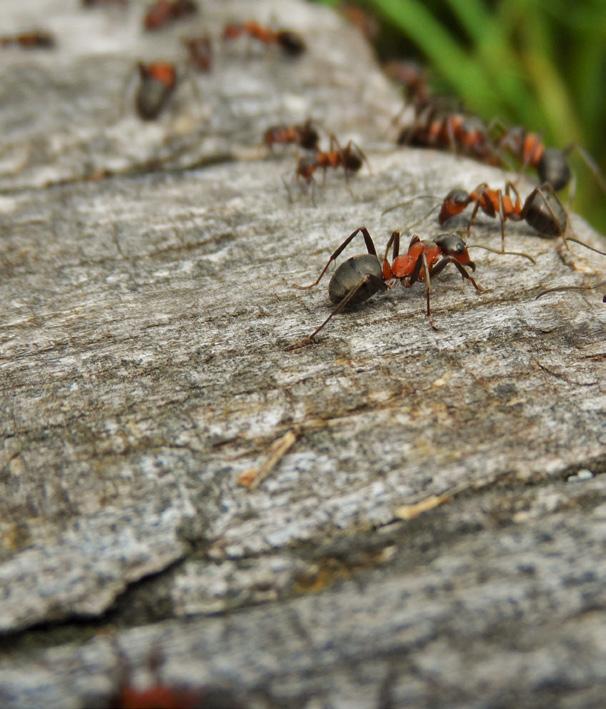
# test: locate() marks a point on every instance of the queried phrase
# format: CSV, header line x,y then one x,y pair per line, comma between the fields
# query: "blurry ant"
x,y
452,130
413,77
158,83
163,696
200,52
38,39
164,12
304,135
551,164
290,42
542,210
350,158
361,276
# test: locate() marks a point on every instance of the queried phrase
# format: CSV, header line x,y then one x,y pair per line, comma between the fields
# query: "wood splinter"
x,y
253,477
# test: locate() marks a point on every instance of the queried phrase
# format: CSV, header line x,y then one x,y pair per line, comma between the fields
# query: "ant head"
x,y
291,42
453,245
454,203
553,168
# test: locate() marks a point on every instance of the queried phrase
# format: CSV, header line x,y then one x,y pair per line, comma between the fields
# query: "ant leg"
x,y
476,206
360,152
443,262
370,247
427,271
287,189
502,218
313,190
511,187
343,304
394,240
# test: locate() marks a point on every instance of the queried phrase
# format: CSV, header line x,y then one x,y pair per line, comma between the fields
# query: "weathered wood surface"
x,y
144,367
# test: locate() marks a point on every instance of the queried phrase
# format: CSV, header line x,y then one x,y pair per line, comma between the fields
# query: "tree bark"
x,y
429,523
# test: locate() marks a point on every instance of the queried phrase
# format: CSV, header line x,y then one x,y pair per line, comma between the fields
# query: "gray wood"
x,y
148,304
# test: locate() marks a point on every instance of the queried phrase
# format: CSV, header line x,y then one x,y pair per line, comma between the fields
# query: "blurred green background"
x,y
536,63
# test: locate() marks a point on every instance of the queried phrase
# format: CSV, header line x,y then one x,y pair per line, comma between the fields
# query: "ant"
x,y
200,52
37,39
304,135
163,696
158,83
163,12
290,42
542,209
551,164
413,77
360,277
453,130
350,158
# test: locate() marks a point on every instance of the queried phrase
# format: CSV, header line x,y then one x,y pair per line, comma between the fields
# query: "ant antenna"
x,y
503,253
411,200
564,288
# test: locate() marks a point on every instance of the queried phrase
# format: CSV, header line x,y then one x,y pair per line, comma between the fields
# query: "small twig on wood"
x,y
413,511
253,477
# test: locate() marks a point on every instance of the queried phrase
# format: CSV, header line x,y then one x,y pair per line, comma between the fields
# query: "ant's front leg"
x,y
444,261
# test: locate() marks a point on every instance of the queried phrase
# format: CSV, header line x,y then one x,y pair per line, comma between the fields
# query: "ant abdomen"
x,y
545,213
349,275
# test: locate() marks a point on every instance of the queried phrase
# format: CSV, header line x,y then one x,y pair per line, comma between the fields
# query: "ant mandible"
x,y
163,12
158,83
38,39
200,52
305,135
361,276
542,209
290,42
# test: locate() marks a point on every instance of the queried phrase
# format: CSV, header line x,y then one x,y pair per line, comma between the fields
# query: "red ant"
x,y
37,39
551,164
361,276
200,52
158,83
350,158
163,696
163,12
542,209
290,42
304,135
453,130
